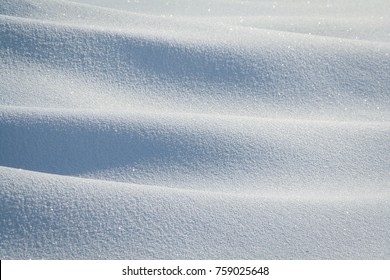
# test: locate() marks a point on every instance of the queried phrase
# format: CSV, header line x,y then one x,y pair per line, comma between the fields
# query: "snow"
x,y
194,129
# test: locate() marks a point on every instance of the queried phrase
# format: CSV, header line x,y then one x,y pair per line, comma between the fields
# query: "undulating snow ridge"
x,y
50,216
194,129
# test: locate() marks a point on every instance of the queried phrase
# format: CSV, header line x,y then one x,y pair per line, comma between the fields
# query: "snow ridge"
x,y
234,129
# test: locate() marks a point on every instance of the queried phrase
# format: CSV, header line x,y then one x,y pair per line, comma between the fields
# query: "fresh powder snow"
x,y
194,129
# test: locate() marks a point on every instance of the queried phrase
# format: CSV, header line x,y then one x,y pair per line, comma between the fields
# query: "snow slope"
x,y
194,129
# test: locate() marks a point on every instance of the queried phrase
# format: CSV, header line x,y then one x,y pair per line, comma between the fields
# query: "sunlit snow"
x,y
194,129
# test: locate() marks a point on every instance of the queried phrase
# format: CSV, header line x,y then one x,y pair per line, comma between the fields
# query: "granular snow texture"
x,y
194,129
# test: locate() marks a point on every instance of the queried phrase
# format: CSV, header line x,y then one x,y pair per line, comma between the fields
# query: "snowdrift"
x,y
204,130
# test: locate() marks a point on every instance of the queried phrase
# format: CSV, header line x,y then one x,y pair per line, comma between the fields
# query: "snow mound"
x,y
204,129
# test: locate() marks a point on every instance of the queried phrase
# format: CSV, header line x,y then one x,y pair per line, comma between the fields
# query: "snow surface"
x,y
194,129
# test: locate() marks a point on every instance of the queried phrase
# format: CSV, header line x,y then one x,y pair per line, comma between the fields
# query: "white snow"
x,y
194,129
